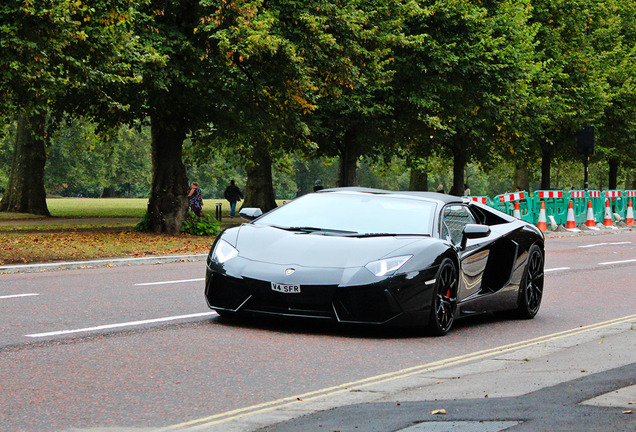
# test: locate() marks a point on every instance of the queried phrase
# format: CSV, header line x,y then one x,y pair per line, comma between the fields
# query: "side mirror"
x,y
474,231
250,213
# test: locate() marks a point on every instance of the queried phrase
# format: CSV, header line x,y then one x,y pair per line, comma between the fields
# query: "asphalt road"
x,y
128,347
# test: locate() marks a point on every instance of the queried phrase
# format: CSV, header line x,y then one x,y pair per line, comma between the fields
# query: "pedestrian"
x,y
440,188
466,189
233,194
318,185
195,199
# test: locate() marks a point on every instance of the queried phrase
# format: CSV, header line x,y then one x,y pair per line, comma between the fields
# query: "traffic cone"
x,y
591,221
607,222
629,219
571,222
517,212
542,224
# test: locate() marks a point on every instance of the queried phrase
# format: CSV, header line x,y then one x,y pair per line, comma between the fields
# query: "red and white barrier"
x,y
550,194
512,197
479,199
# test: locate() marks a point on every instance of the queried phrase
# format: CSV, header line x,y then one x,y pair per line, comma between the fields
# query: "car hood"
x,y
276,246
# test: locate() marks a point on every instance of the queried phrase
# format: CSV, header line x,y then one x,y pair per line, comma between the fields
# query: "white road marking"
x,y
604,244
169,282
18,295
118,325
617,262
556,269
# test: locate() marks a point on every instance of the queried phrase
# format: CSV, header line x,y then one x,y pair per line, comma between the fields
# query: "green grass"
x,y
108,208
97,207
117,207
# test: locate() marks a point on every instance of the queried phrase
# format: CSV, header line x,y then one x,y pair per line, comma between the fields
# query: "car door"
x,y
473,258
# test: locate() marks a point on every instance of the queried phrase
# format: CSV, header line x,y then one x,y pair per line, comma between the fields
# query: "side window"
x,y
454,219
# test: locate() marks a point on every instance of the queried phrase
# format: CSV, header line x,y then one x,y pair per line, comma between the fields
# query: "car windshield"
x,y
353,214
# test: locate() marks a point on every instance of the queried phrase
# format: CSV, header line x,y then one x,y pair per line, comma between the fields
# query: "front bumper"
x,y
398,300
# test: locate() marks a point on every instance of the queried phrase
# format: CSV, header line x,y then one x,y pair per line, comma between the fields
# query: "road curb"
x,y
106,262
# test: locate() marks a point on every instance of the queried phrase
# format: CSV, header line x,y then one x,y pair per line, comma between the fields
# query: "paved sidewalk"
x,y
578,381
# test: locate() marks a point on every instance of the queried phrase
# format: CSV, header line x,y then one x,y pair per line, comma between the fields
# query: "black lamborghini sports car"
x,y
357,255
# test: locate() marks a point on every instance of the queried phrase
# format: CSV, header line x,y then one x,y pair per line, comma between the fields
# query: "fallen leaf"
x,y
486,396
439,411
397,404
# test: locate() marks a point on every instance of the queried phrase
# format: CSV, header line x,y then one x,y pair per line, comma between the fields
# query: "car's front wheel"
x,y
531,288
444,299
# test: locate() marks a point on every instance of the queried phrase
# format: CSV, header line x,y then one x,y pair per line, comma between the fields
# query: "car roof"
x,y
434,196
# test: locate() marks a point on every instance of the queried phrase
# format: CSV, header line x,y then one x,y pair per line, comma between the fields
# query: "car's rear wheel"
x,y
444,299
531,288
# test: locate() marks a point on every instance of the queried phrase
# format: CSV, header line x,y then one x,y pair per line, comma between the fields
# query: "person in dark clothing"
x,y
318,185
233,194
195,199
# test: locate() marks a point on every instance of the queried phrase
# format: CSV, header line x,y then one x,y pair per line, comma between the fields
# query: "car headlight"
x,y
387,266
223,251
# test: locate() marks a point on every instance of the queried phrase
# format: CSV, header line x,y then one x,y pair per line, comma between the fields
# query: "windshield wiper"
x,y
307,229
389,234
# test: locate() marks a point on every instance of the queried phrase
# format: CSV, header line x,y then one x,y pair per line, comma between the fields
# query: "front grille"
x,y
313,301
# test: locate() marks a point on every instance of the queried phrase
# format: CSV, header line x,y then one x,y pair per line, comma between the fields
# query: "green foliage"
x,y
143,225
200,226
82,162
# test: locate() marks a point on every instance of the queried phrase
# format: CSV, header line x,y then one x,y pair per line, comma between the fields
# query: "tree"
x,y
354,112
617,126
53,54
462,79
571,89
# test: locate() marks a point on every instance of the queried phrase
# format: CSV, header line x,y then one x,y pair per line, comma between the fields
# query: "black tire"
x,y
531,288
444,299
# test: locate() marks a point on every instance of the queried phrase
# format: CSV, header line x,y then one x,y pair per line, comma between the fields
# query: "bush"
x,y
143,225
200,226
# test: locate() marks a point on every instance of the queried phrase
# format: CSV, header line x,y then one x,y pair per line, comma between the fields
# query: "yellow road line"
x,y
391,376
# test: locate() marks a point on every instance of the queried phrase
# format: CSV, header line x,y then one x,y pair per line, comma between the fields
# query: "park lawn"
x,y
68,245
116,207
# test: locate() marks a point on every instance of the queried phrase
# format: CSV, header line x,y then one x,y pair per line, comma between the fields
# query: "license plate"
x,y
289,289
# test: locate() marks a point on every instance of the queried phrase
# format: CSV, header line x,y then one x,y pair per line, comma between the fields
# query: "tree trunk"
x,y
546,162
348,163
168,203
459,162
521,178
303,181
259,191
613,173
418,180
25,192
